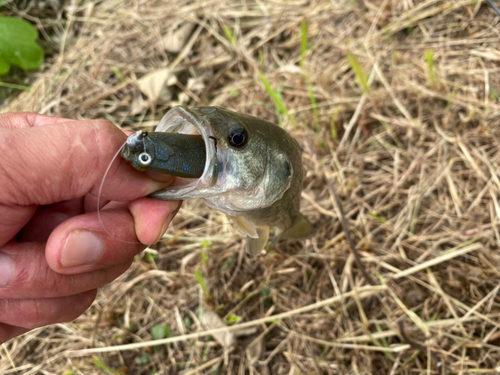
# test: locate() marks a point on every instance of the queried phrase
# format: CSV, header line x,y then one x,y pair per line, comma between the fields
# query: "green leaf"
x,y
18,45
161,331
233,319
265,292
4,65
150,257
143,359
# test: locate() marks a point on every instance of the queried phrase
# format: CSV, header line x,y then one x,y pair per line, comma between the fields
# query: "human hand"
x,y
54,251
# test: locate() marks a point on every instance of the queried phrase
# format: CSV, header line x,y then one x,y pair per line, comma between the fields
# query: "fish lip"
x,y
181,120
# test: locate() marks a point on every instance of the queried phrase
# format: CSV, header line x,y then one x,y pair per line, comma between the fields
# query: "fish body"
x,y
252,169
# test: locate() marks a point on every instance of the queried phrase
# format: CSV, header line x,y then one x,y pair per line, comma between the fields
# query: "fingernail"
x,y
81,247
6,269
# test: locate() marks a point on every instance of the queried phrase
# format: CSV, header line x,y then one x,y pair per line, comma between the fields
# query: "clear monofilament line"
x,y
99,196
495,8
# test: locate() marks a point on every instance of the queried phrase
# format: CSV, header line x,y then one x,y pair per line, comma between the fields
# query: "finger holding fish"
x,y
87,242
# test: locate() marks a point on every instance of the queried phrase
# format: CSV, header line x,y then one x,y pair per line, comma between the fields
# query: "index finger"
x,y
28,119
67,160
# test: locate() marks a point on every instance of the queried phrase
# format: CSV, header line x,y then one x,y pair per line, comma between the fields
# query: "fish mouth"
x,y
181,120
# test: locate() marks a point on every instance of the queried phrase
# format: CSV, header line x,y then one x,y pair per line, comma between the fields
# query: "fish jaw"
x,y
183,121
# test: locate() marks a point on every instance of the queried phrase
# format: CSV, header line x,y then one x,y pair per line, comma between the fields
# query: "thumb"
x,y
58,162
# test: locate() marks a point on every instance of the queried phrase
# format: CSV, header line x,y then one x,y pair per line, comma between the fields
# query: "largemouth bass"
x,y
243,166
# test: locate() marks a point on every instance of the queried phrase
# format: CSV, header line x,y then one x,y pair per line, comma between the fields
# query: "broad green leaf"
x,y
161,331
18,45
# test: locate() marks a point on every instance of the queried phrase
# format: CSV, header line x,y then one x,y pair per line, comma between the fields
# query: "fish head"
x,y
247,164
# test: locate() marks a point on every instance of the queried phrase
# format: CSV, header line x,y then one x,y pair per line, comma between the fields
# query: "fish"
x,y
244,166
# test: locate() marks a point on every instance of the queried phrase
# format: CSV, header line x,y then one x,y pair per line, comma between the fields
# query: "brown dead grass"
x,y
415,161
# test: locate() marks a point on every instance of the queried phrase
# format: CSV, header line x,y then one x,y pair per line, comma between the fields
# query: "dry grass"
x,y
415,160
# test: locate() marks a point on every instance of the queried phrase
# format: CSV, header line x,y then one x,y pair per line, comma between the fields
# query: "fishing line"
x,y
99,197
495,8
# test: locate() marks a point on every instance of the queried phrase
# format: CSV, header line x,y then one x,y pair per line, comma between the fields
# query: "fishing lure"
x,y
243,166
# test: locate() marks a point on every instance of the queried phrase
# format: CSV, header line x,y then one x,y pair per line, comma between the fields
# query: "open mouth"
x,y
180,120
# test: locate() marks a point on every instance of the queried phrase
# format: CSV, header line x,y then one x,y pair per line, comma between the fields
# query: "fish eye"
x,y
145,159
238,136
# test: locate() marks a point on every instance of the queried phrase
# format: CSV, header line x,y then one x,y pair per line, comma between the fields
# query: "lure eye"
x,y
238,136
145,159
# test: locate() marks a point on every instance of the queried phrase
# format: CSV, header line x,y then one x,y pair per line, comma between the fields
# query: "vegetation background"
x,y
395,103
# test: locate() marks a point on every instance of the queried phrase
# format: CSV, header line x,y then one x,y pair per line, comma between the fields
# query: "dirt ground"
x,y
395,103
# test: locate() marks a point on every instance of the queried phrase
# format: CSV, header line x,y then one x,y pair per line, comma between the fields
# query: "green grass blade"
x,y
310,88
276,99
100,364
14,86
313,103
361,75
303,43
429,57
204,257
119,74
229,35
201,280
334,119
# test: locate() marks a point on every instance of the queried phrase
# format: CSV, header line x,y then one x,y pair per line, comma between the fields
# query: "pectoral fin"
x,y
245,227
301,229
254,246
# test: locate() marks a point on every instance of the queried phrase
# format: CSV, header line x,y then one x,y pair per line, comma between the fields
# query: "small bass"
x,y
243,166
